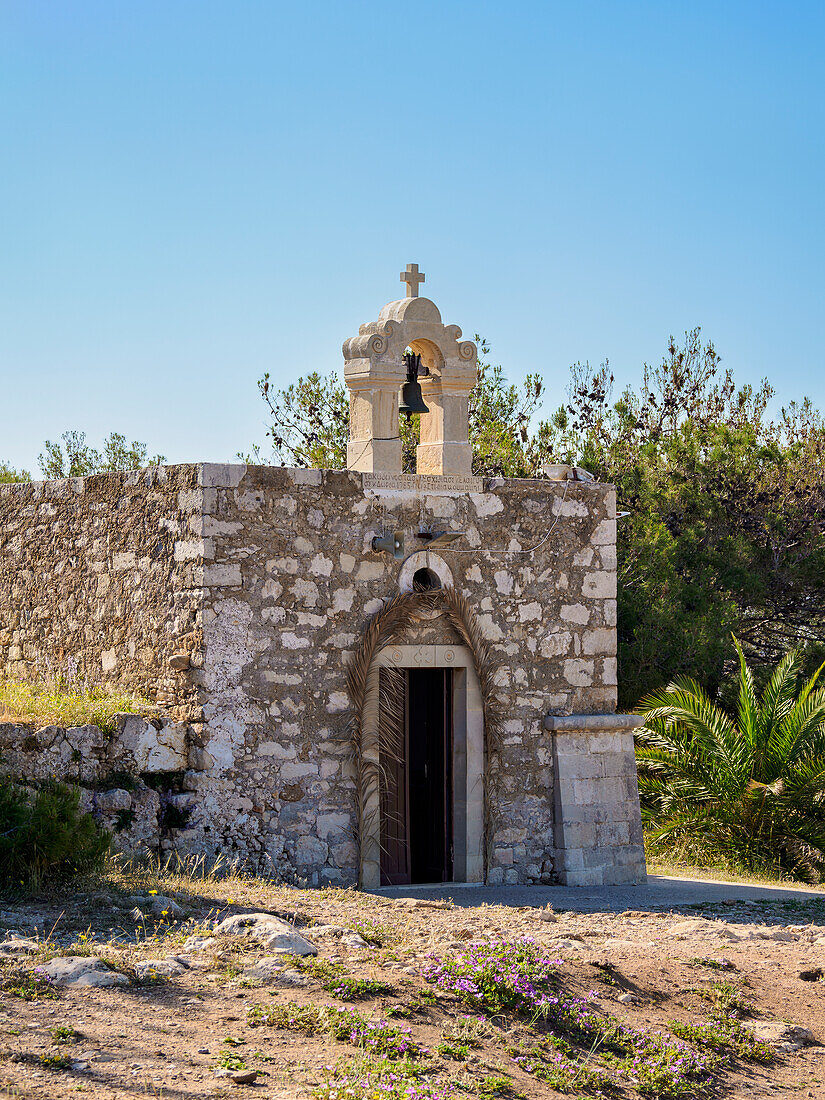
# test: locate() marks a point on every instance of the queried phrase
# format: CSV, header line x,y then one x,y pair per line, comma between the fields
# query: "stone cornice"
x,y
591,723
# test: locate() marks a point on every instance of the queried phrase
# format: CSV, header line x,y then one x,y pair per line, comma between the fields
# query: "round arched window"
x,y
424,580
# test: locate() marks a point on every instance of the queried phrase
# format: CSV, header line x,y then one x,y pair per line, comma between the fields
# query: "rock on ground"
x,y
198,943
162,906
787,1036
158,968
82,970
273,932
271,968
18,947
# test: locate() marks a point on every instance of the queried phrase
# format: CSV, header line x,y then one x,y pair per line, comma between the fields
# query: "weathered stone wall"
x,y
265,579
129,777
290,583
599,839
95,583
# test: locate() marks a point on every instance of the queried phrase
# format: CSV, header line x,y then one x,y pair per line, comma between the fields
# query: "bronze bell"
x,y
411,398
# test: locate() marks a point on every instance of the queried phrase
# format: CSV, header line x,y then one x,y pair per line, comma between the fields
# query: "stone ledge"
x,y
591,723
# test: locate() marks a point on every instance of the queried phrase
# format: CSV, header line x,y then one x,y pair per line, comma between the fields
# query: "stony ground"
x,y
189,1009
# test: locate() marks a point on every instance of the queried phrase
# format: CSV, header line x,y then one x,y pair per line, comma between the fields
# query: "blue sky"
x,y
194,192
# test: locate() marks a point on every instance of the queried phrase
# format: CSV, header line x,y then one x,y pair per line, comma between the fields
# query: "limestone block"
x,y
529,612
604,533
110,802
448,459
152,749
222,576
332,823
601,642
600,585
305,477
221,475
486,504
612,833
579,672
310,851
199,759
579,835
575,765
195,550
345,854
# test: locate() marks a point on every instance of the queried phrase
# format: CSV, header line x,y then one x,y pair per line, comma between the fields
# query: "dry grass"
x,y
41,704
680,864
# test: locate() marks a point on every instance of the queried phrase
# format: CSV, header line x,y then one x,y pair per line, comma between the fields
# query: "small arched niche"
x,y
425,580
424,562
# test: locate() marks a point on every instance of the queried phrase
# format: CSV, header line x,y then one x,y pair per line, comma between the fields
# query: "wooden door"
x,y
394,778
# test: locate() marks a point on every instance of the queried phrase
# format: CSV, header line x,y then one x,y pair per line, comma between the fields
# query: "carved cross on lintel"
x,y
412,278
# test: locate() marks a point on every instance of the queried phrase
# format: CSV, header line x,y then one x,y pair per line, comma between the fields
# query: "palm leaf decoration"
x,y
749,787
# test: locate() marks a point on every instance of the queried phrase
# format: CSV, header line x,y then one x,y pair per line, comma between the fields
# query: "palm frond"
x,y
753,789
778,695
748,710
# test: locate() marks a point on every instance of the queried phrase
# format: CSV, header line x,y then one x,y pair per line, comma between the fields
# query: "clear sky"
x,y
192,193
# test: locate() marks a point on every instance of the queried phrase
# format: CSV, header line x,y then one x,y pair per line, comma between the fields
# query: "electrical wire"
x,y
532,550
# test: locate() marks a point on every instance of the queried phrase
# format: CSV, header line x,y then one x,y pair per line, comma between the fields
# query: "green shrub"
x,y
748,786
44,834
725,1035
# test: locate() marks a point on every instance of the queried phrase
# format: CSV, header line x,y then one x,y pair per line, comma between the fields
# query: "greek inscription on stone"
x,y
423,483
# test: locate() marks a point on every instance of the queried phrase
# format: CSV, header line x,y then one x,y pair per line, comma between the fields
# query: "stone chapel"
x,y
361,675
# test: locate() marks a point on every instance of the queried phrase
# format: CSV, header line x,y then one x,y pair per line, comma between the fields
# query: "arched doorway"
x,y
430,822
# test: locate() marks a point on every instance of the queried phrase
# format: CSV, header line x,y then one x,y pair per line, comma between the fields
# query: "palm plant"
x,y
749,787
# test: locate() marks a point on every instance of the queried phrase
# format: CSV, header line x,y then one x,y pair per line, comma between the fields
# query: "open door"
x,y
416,763
393,772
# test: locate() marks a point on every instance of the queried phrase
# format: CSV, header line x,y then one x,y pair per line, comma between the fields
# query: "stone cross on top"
x,y
412,279
375,371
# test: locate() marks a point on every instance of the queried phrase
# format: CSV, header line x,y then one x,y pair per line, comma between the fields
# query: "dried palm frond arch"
x,y
362,674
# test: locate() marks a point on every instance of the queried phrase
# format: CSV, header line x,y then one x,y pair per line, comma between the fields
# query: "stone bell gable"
x,y
374,372
373,677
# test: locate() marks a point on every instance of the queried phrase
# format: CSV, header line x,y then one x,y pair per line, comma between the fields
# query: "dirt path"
x,y
659,892
172,1036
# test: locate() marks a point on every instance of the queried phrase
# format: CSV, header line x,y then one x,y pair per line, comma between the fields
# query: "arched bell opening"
x,y
432,359
425,562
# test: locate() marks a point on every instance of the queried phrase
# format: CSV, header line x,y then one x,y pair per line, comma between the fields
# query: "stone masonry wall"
x,y
94,584
262,579
290,583
130,776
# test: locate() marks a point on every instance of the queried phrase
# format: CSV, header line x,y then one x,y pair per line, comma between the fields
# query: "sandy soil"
x,y
167,1038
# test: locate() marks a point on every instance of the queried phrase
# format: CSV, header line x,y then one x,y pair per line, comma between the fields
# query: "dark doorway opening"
x,y
431,755
417,781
